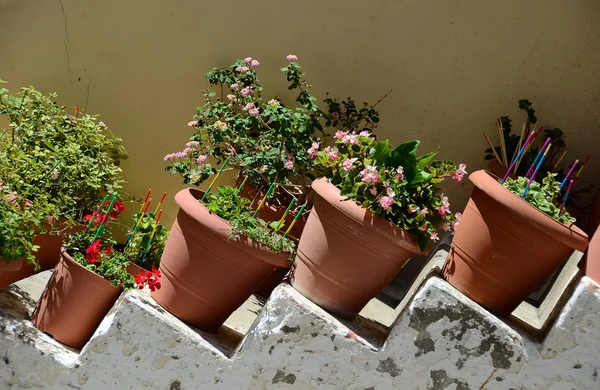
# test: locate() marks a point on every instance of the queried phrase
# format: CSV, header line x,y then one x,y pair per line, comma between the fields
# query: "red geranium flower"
x,y
140,279
98,219
118,208
149,277
92,253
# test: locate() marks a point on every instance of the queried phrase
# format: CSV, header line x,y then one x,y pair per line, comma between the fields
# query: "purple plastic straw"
x,y
569,174
512,164
562,205
539,155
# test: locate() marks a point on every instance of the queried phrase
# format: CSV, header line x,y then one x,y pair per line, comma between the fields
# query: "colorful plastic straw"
x,y
96,212
160,203
536,170
564,202
151,237
558,162
512,164
215,179
100,230
262,202
137,223
535,135
582,166
287,210
562,184
242,185
295,219
539,155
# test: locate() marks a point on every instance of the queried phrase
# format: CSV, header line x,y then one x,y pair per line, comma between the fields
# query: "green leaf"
x,y
422,241
425,159
382,152
405,155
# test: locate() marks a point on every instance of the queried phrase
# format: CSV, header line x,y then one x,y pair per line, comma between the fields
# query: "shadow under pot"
x,y
74,303
206,275
504,248
347,254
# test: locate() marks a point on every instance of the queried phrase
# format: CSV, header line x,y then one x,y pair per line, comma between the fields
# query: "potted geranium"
x,y
217,254
87,281
68,161
375,208
511,238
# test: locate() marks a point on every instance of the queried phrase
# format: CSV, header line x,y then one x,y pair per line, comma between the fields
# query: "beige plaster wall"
x,y
454,66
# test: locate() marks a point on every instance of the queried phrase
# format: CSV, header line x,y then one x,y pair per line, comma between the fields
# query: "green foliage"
x,y
227,204
266,141
545,197
511,141
395,184
138,243
70,160
19,222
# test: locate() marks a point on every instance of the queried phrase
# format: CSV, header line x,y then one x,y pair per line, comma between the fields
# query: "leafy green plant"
x,y
227,204
70,160
266,141
19,222
511,142
545,197
138,243
392,183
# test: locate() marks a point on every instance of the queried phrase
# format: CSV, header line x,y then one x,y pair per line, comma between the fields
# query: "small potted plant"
x,y
261,138
513,234
87,281
49,156
217,254
375,208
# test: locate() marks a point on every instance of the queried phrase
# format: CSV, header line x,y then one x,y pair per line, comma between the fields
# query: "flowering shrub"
x,y
263,139
69,160
395,184
97,252
545,197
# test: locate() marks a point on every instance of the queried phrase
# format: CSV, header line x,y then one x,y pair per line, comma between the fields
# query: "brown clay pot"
x,y
74,303
347,254
205,274
590,264
134,269
498,169
504,248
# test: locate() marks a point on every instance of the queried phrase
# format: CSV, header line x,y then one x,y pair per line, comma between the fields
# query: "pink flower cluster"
x,y
289,164
193,124
234,86
346,138
445,207
251,62
201,159
251,108
292,57
173,156
369,175
386,202
246,91
347,164
457,175
332,153
242,69
313,151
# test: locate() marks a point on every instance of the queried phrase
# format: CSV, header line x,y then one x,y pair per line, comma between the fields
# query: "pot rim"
x,y
92,277
189,197
354,211
568,234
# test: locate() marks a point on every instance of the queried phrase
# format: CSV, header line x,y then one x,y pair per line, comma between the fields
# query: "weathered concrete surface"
x,y
441,340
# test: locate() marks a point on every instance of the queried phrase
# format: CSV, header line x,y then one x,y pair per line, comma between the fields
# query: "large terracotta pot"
x,y
205,274
504,248
74,303
591,261
346,254
271,213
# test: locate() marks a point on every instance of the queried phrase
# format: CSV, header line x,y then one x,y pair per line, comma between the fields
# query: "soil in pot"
x,y
205,274
346,254
504,248
74,303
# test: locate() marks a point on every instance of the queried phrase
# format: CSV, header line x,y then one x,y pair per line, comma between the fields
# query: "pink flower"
x,y
292,57
248,60
340,134
234,86
192,144
374,191
289,165
386,202
193,124
232,98
370,175
457,175
252,110
195,177
347,164
400,173
180,155
246,91
434,237
168,157
457,218
412,209
242,69
390,192
445,207
424,211
254,64
332,153
364,133
423,228
446,226
201,158
313,150
351,139
273,102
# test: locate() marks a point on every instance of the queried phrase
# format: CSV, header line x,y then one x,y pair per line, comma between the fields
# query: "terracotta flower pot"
x,y
205,274
134,269
504,248
74,303
498,169
590,263
346,254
